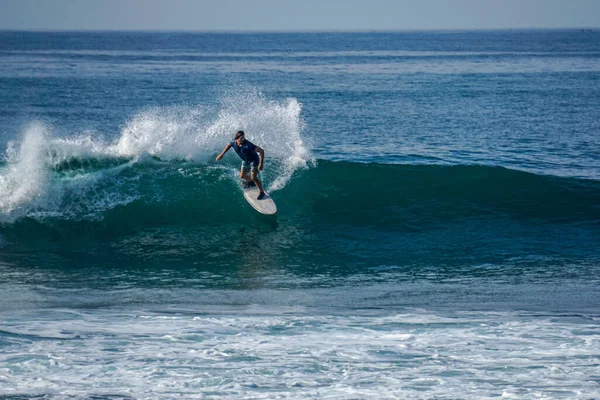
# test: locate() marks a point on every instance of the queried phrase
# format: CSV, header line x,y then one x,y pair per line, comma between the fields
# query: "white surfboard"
x,y
264,206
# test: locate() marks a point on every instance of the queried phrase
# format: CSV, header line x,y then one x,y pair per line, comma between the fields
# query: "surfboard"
x,y
265,206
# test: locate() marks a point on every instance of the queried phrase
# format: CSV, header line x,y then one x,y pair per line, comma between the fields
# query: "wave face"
x,y
354,214
93,185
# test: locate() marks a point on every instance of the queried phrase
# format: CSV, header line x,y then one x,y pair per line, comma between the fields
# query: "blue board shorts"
x,y
250,166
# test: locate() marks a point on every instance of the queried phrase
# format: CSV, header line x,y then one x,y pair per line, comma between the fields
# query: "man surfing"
x,y
252,160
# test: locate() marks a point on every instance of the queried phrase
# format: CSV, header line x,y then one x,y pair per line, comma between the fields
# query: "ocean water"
x,y
438,233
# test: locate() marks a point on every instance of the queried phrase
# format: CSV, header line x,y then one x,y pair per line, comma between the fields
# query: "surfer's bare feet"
x,y
261,196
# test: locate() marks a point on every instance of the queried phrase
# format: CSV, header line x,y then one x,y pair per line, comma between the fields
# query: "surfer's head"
x,y
239,137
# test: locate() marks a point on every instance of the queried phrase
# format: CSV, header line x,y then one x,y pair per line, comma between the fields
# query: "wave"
x,y
149,210
160,170
151,192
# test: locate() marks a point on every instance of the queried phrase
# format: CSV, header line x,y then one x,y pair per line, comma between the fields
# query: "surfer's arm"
x,y
261,153
225,150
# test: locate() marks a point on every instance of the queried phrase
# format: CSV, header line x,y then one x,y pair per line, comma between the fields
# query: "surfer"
x,y
252,160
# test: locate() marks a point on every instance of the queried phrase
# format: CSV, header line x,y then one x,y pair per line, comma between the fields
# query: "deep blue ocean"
x,y
438,232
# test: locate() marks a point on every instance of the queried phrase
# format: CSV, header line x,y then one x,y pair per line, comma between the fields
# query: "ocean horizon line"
x,y
583,29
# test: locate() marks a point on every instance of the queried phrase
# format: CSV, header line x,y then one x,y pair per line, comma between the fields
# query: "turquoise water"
x,y
437,232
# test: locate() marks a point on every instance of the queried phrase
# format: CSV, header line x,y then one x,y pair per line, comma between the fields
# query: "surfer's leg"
x,y
256,180
244,172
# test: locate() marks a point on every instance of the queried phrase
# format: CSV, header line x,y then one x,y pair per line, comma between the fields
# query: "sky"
x,y
293,15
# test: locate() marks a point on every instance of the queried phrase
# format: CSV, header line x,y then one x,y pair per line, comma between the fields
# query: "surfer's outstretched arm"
x,y
225,150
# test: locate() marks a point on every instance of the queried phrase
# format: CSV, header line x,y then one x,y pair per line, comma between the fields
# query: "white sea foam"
x,y
199,133
25,178
253,352
31,186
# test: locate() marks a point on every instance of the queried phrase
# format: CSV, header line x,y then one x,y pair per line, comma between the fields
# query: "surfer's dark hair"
x,y
239,134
